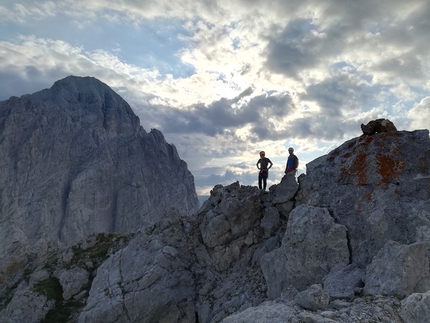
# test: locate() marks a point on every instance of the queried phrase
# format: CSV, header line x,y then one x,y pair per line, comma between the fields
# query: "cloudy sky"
x,y
224,79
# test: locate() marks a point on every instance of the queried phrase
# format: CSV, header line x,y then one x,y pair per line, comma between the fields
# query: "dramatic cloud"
x,y
225,79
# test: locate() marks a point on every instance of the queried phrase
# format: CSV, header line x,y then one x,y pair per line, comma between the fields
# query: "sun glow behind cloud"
x,y
225,79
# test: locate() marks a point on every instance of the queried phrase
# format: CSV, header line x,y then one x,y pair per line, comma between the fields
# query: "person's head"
x,y
262,154
291,150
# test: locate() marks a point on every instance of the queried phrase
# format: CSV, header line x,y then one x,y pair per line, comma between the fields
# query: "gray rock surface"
x,y
345,244
229,223
399,270
75,161
73,281
26,305
314,298
344,282
360,310
312,245
377,186
147,281
416,308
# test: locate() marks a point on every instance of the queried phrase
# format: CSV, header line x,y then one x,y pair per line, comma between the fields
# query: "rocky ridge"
x,y
349,242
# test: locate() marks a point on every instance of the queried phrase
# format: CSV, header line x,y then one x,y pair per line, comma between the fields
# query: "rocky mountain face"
x,y
348,242
75,161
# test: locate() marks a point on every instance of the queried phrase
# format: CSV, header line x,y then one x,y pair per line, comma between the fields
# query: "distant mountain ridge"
x,y
76,161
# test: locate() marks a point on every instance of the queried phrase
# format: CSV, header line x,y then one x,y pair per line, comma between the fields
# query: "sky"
x,y
225,79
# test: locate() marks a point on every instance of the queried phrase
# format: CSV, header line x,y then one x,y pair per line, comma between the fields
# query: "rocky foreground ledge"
x,y
348,242
100,223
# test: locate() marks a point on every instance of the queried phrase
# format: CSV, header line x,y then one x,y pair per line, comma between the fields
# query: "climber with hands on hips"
x,y
263,164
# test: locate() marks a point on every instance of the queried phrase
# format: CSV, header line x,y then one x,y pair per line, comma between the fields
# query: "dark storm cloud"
x,y
225,116
408,66
338,94
274,105
293,49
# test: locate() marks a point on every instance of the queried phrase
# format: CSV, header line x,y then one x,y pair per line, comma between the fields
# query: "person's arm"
x,y
258,163
296,162
271,164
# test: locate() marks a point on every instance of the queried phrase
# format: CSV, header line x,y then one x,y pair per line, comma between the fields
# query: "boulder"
x,y
416,308
229,222
73,281
376,186
312,245
147,281
314,298
399,270
378,126
344,282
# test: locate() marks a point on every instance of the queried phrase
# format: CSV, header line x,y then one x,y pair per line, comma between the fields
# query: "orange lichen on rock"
x,y
359,166
356,169
423,162
389,168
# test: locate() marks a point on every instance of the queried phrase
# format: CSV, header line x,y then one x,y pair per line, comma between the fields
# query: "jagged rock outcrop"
x,y
313,244
147,281
378,187
75,161
347,243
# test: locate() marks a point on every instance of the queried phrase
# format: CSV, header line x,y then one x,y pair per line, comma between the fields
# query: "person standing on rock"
x,y
263,166
292,162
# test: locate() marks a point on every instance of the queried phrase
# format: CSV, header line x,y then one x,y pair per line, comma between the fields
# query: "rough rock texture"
x,y
344,282
152,271
312,245
378,126
314,298
75,161
379,309
348,243
377,186
416,308
399,270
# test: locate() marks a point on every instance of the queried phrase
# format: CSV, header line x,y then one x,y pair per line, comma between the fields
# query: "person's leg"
x,y
264,183
259,181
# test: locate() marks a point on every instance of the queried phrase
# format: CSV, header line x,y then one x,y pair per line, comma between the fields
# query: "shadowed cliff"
x,y
75,161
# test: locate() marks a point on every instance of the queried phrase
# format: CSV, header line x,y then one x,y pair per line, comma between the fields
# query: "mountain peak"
x,y
75,161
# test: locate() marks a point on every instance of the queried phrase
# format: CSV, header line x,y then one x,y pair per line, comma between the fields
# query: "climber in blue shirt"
x,y
292,162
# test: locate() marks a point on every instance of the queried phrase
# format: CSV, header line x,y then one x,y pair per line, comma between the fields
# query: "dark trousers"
x,y
262,179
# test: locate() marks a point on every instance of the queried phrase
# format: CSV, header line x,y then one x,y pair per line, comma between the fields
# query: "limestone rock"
x,y
285,190
358,222
360,310
416,308
73,281
229,220
312,245
265,313
270,221
399,270
344,281
314,298
378,126
27,305
75,161
376,186
147,281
